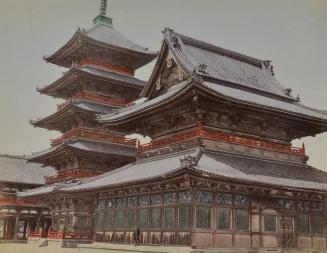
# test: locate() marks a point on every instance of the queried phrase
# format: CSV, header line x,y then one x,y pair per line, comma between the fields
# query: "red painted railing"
x,y
94,135
19,202
34,234
53,234
94,98
71,174
37,234
106,66
199,132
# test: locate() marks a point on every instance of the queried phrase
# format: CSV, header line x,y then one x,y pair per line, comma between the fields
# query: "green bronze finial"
x,y
101,18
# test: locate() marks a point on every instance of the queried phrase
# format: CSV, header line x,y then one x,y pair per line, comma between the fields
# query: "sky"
x,y
291,33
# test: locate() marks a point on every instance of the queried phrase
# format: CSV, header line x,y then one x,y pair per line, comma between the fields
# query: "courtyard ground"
x,y
94,248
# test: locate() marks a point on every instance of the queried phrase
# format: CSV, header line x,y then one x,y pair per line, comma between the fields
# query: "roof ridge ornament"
x,y
187,162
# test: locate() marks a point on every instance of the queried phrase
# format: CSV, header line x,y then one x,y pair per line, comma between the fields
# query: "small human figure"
x,y
136,236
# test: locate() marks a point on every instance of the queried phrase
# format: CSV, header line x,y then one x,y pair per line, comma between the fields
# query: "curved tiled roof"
x,y
224,73
103,35
223,65
92,72
80,104
238,95
95,146
16,169
264,101
217,164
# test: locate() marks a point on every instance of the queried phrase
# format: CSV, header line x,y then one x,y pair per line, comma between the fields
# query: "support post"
x,y
16,230
38,222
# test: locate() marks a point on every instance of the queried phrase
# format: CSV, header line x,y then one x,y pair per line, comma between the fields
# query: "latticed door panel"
x,y
287,232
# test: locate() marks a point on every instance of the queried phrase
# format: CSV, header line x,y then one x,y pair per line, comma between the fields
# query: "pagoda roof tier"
x,y
17,169
72,111
103,42
108,152
204,163
77,76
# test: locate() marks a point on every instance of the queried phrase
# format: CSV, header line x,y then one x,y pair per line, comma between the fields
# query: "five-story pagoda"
x,y
100,80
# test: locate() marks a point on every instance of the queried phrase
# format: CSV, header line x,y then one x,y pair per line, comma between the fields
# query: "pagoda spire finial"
x,y
103,7
102,18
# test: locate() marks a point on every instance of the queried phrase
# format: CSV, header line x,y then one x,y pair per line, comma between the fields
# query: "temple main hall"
x,y
219,170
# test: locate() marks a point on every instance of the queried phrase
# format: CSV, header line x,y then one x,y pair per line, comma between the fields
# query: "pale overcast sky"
x,y
293,34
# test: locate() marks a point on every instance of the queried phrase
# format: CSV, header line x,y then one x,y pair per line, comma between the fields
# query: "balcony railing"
x,y
71,174
19,202
94,98
199,132
107,66
94,135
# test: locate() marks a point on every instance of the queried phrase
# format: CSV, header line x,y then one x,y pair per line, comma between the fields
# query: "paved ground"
x,y
98,248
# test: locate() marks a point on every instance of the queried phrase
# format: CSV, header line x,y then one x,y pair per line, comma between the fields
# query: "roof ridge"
x,y
23,157
220,50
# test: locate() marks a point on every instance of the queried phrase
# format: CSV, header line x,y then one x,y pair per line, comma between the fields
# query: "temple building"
x,y
19,216
220,170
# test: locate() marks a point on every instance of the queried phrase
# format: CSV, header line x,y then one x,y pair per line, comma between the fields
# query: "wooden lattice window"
x,y
242,219
241,200
170,197
82,222
204,197
131,218
121,202
185,197
170,217
155,217
185,217
303,223
132,201
143,218
223,218
317,223
119,218
144,200
224,198
155,199
110,219
100,220
270,223
203,217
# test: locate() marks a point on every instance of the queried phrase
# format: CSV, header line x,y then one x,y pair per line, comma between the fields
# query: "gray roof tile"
x,y
223,64
227,166
16,169
107,34
89,145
